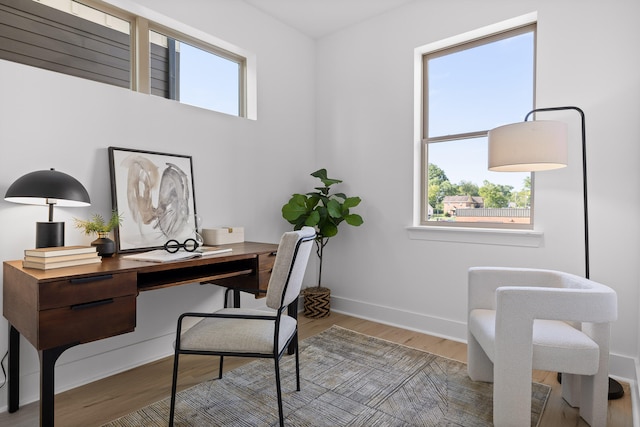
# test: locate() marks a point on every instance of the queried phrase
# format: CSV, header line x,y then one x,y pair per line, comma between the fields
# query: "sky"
x,y
466,160
208,81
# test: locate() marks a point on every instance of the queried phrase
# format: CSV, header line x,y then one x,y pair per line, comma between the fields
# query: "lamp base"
x,y
616,391
49,234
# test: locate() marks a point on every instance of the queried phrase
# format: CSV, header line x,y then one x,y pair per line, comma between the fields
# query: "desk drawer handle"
x,y
91,304
92,279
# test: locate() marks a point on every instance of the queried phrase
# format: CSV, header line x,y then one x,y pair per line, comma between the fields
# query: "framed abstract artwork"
x,y
155,195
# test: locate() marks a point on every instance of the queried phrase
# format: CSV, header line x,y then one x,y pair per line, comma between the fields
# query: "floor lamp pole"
x,y
615,388
584,177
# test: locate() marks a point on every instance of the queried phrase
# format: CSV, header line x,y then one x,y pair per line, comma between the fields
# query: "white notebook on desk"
x,y
160,255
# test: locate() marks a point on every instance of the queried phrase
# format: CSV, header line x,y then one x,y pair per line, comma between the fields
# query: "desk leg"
x,y
236,298
13,379
48,360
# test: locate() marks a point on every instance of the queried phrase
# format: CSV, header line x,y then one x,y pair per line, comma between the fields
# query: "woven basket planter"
x,y
317,302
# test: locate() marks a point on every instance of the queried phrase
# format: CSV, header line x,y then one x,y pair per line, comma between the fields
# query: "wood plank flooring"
x,y
110,398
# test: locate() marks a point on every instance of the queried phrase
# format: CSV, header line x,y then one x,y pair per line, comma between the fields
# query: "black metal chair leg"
x,y
297,363
279,392
292,311
220,368
174,386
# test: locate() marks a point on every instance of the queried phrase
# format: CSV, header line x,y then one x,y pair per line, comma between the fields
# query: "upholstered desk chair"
x,y
524,319
251,332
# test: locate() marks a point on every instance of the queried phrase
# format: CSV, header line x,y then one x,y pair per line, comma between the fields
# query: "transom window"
x,y
469,89
67,37
91,40
195,75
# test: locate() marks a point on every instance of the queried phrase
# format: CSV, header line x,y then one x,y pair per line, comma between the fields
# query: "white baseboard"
x,y
101,365
635,397
419,322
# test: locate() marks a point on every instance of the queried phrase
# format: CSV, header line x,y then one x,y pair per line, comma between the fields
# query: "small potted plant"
x,y
99,226
325,212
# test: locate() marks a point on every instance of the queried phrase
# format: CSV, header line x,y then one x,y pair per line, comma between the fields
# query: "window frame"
x,y
68,37
212,49
453,45
140,59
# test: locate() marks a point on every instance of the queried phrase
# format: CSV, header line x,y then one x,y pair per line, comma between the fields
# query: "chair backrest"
x,y
541,294
289,267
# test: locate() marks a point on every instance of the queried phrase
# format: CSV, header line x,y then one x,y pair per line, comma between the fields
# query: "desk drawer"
x,y
266,261
265,266
86,322
71,291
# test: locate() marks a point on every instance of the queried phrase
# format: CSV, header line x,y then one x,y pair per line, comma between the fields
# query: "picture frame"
x,y
155,195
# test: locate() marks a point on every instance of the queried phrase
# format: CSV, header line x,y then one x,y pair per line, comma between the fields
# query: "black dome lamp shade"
x,y
48,187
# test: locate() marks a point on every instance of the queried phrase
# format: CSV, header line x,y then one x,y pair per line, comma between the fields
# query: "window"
x,y
468,89
194,75
67,37
96,42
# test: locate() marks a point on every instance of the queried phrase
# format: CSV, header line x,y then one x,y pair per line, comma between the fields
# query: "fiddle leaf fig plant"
x,y
323,210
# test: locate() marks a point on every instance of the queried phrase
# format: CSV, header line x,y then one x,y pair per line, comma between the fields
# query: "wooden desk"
x,y
58,309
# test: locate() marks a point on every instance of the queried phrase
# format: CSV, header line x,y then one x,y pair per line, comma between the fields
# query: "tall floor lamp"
x,y
538,146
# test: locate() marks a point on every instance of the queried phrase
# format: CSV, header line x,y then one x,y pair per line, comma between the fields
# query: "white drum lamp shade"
x,y
528,146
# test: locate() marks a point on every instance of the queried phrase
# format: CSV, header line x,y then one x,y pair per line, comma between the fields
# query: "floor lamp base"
x,y
615,388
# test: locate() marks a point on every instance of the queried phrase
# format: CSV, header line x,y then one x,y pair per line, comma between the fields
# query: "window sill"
x,y
484,236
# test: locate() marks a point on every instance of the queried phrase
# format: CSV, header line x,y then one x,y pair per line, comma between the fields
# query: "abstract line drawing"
x,y
154,191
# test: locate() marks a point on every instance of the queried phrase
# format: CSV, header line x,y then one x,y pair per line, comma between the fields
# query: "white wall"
x,y
587,56
345,103
244,170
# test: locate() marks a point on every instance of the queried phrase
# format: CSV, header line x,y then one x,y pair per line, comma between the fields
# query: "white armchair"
x,y
523,319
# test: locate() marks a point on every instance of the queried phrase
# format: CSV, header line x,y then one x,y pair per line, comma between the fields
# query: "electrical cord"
x,y
4,371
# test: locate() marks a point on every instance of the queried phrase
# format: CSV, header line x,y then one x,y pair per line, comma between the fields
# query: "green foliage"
x,y
522,198
97,223
436,175
467,188
494,195
323,210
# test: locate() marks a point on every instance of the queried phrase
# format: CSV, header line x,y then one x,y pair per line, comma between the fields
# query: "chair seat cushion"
x,y
238,335
557,346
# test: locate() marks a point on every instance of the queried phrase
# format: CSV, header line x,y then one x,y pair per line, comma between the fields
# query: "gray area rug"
x,y
347,379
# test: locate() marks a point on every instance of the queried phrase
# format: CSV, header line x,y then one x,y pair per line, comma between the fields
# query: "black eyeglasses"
x,y
173,246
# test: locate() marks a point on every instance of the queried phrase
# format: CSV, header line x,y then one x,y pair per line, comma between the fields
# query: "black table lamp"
x,y
48,187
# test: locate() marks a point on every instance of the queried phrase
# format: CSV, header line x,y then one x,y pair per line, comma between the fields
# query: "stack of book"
x,y
58,257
